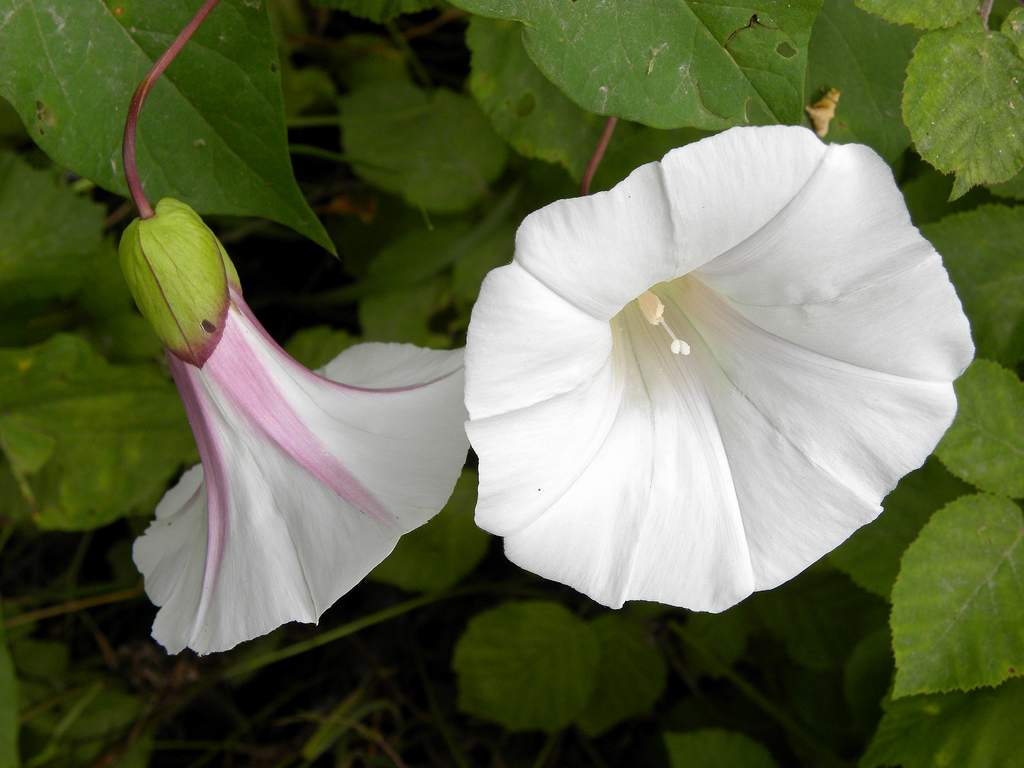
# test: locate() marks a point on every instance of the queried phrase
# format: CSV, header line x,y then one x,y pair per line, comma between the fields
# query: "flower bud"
x,y
178,273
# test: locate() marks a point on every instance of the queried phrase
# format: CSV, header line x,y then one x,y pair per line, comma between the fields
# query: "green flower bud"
x,y
179,273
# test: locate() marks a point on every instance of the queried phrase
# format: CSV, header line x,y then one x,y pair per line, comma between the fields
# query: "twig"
x,y
131,171
599,150
73,606
985,10
449,15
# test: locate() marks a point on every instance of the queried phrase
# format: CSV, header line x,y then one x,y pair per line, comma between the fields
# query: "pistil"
x,y
654,312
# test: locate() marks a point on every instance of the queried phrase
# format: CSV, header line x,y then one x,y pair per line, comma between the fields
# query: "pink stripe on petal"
x,y
244,379
214,472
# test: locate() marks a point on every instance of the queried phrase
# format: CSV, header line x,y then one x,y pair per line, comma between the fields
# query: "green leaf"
x,y
716,748
8,706
708,64
315,347
985,445
212,132
957,613
871,557
965,730
404,315
536,118
927,196
49,233
980,249
864,58
1012,189
89,441
439,554
963,95
377,10
819,617
435,148
926,14
867,675
630,676
725,634
527,666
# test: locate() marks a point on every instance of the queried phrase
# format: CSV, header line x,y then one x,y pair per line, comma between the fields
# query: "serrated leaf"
x,y
716,748
966,730
865,59
709,64
957,613
925,14
527,666
439,554
985,445
871,557
435,148
217,141
377,10
981,250
962,101
536,118
8,706
630,676
118,433
49,233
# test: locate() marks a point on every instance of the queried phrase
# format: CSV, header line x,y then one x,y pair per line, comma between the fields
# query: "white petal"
x,y
653,515
841,270
527,344
285,537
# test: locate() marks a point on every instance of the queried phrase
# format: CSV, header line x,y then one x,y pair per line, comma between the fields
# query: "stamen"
x,y
654,312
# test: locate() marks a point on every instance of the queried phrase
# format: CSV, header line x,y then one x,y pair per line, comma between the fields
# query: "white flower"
x,y
305,484
822,334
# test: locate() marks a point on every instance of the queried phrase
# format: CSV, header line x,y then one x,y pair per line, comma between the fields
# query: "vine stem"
x,y
131,124
985,10
599,150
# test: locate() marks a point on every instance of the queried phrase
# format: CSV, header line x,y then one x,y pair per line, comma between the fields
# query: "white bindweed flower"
x,y
696,384
307,481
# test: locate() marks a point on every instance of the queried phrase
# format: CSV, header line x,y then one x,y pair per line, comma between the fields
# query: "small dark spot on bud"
x,y
208,326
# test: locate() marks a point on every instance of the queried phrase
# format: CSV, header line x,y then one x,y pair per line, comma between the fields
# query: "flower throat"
x,y
654,312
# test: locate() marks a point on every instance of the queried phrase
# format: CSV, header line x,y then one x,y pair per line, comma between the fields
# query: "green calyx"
x,y
179,273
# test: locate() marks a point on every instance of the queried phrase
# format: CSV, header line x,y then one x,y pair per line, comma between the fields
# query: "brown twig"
x,y
599,150
131,171
427,28
73,606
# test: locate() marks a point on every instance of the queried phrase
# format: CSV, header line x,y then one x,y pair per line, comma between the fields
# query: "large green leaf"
x,y
527,666
871,557
630,677
213,131
715,748
377,10
670,63
981,250
8,705
962,102
536,118
985,445
48,233
88,441
957,608
960,730
864,58
438,554
435,148
926,14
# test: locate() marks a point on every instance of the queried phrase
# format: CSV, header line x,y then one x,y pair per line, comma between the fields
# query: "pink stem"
x,y
595,160
131,170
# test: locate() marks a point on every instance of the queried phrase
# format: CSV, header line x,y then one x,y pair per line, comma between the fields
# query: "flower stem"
x,y
599,150
985,10
131,170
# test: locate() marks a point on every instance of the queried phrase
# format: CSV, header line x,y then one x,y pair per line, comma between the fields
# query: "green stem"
x,y
545,751
410,55
313,121
309,150
391,612
755,697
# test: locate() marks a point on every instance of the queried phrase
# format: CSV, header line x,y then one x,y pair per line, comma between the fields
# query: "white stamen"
x,y
654,312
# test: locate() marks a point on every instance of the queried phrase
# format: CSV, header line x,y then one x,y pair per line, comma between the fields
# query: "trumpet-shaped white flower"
x,y
306,482
696,384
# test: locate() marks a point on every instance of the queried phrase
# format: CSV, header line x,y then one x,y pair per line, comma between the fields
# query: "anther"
x,y
654,313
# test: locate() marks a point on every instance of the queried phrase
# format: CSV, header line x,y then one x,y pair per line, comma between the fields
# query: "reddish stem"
x,y
131,170
595,159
